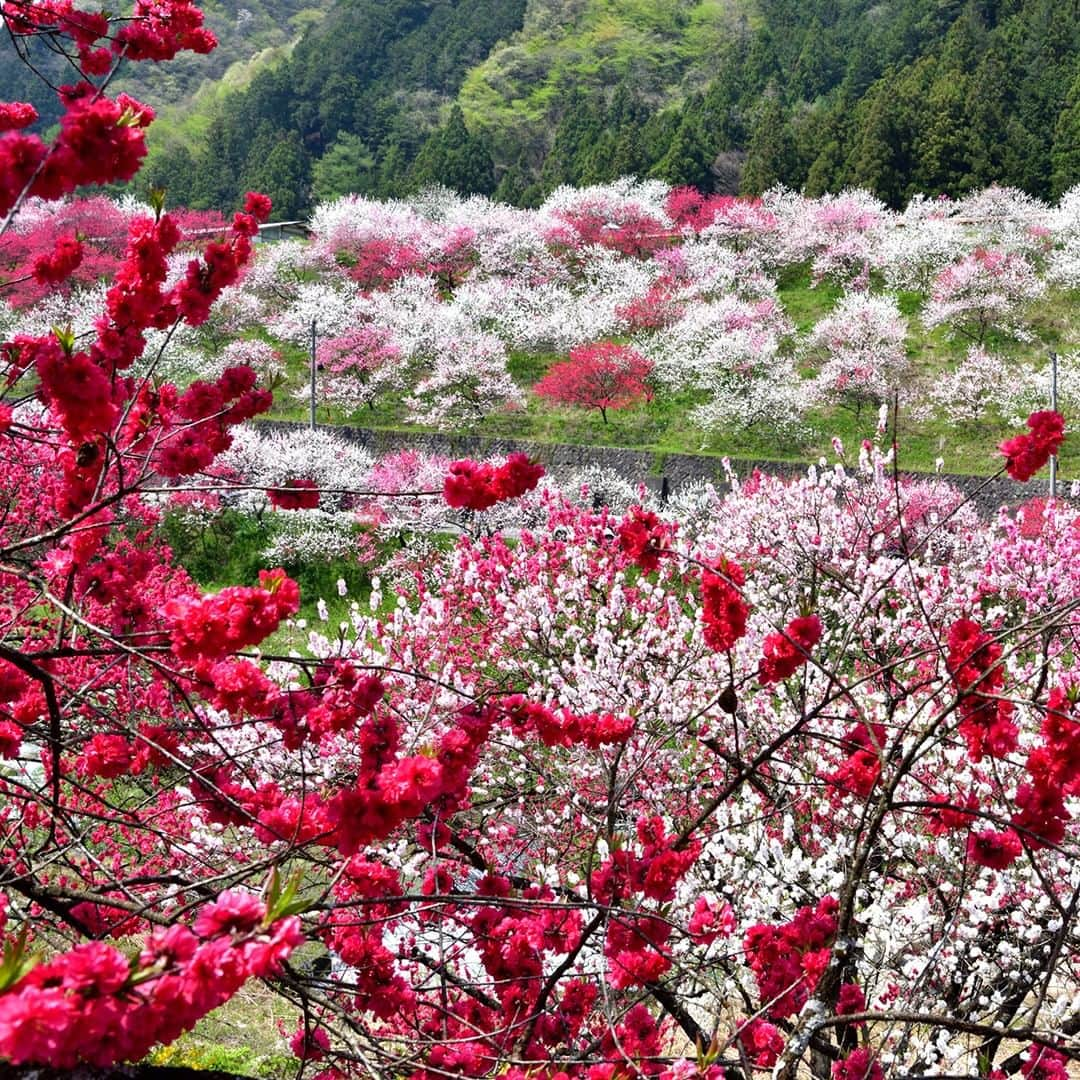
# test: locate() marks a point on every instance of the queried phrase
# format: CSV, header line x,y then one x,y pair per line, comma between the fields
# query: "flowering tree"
x,y
863,340
601,376
357,366
731,349
985,290
980,382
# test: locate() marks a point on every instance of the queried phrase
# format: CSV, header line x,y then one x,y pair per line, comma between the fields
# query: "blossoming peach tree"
x,y
788,786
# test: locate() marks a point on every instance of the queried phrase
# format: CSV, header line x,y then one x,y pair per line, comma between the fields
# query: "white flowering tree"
x,y
863,350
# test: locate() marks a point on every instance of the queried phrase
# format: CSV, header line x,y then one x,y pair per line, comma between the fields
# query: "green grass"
x,y
239,1037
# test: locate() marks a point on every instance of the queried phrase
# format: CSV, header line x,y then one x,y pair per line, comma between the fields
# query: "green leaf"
x,y
66,337
16,962
282,902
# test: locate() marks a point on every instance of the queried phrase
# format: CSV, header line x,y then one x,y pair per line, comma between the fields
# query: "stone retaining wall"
x,y
643,466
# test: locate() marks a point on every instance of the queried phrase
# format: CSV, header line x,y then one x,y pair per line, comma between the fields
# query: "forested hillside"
x,y
514,97
247,32
351,109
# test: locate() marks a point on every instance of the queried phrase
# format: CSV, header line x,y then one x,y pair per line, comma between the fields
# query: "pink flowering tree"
x,y
358,366
986,290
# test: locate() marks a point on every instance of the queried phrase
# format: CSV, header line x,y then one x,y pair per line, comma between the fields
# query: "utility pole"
x,y
312,374
1053,406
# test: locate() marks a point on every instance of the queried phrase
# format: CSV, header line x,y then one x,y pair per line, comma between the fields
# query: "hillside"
x,y
518,97
247,30
515,97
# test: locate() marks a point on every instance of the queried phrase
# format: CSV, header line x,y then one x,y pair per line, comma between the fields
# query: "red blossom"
x,y
1044,1063
300,494
724,611
644,538
860,1064
257,205
472,486
16,114
785,653
60,264
1025,455
994,849
762,1042
787,959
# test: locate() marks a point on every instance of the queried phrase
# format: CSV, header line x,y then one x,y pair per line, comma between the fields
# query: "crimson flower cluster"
x,y
299,494
724,611
1026,454
859,772
214,626
605,375
974,662
474,486
786,652
644,538
58,265
561,727
787,959
157,30
860,1064
101,139
92,1005
1054,770
84,389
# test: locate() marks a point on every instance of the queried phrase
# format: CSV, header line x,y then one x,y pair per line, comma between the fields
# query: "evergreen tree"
x,y
990,102
348,167
393,171
628,156
172,171
817,66
688,157
826,171
579,128
1065,156
881,152
283,173
770,157
943,146
213,177
513,184
456,159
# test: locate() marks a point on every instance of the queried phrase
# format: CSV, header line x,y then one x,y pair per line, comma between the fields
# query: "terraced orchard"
x,y
754,328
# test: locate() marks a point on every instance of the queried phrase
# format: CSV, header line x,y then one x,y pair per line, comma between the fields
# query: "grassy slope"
x,y
661,425
666,45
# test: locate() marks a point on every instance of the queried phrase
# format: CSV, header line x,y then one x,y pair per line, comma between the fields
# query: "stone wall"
x,y
643,466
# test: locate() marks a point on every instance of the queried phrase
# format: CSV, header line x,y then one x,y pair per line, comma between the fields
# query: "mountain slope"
x,y
244,28
514,97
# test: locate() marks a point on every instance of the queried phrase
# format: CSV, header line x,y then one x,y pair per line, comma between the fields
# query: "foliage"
x,y
919,98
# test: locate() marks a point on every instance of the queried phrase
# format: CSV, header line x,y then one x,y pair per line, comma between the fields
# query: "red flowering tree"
x,y
77,243
601,376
